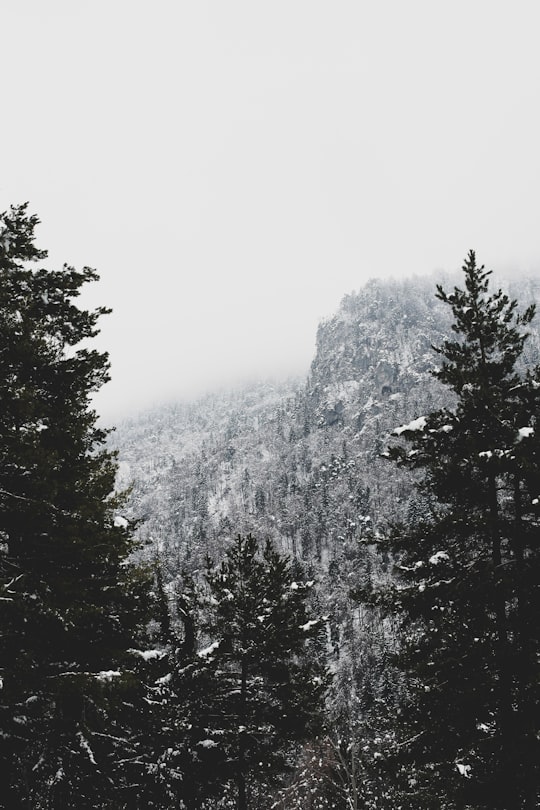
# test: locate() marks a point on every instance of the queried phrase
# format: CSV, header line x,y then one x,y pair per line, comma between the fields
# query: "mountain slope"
x,y
297,462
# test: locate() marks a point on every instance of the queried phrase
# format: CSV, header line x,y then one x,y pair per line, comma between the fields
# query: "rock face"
x,y
299,462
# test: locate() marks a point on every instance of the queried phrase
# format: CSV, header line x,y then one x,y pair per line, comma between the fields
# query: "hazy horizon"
x,y
233,170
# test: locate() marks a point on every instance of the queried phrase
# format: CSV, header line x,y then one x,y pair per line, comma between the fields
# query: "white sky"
x,y
232,169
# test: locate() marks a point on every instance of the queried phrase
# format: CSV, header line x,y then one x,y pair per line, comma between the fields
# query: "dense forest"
x,y
319,593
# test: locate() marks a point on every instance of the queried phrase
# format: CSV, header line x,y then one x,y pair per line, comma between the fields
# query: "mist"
x,y
233,169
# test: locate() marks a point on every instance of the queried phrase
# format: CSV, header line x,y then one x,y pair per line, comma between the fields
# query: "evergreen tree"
x,y
256,690
70,606
468,569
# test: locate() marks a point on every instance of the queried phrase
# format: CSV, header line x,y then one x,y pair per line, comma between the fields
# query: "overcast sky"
x,y
232,169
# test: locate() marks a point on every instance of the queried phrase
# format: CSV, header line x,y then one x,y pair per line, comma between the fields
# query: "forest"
x,y
318,594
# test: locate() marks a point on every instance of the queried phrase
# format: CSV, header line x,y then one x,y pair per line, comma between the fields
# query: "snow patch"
x,y
209,650
438,557
416,425
148,655
107,675
207,743
464,770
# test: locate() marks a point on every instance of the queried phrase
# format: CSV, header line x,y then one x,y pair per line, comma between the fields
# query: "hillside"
x,y
302,463
298,461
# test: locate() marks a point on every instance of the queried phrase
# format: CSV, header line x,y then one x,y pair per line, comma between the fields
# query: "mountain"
x,y
302,463
297,461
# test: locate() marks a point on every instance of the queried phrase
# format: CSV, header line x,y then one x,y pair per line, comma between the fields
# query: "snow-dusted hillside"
x,y
298,462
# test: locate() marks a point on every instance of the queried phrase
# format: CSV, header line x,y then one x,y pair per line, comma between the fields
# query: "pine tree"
x,y
71,608
469,570
256,690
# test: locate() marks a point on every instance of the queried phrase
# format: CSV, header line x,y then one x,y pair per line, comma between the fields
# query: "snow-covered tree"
x,y
70,606
257,684
468,569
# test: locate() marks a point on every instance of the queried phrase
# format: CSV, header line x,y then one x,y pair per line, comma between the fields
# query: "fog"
x,y
232,169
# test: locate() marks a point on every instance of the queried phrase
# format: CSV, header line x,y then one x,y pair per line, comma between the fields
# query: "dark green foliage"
x,y
469,570
246,700
70,606
269,687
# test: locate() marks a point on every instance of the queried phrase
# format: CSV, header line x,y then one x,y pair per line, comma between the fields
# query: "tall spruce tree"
x,y
70,606
468,570
255,691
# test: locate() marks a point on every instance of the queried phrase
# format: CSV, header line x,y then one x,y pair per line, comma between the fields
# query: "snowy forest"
x,y
307,594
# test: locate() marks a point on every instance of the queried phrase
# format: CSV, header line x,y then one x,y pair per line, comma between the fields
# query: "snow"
x,y
416,424
83,742
209,650
107,675
166,679
497,452
120,522
207,743
438,557
308,625
524,433
464,770
148,655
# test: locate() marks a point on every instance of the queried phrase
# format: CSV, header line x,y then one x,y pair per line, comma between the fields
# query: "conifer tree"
x,y
70,606
255,691
469,569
